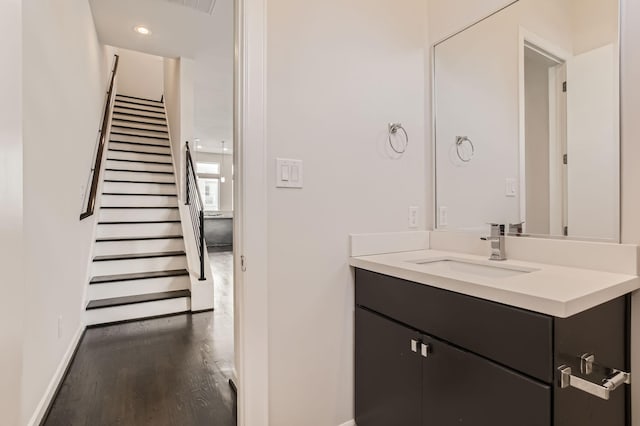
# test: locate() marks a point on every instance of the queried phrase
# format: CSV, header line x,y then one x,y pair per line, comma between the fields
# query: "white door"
x,y
592,144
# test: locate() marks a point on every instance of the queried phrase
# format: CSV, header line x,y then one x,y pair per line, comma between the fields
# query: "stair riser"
x,y
132,266
150,133
143,148
140,177
141,139
130,215
139,201
132,288
138,230
139,126
136,311
143,114
121,98
148,167
126,104
138,247
147,120
138,157
139,188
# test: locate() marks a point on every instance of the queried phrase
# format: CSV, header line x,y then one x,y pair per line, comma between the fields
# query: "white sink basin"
x,y
469,267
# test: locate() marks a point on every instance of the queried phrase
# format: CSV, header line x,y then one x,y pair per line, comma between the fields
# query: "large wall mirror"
x,y
526,106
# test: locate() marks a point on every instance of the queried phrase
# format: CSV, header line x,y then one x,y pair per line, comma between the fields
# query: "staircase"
x,y
139,267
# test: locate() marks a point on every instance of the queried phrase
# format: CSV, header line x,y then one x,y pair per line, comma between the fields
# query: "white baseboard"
x,y
349,423
47,398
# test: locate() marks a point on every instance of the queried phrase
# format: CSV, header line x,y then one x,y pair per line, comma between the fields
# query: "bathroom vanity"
x,y
441,341
525,106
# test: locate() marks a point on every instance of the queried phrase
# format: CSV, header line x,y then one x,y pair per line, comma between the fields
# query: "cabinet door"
x,y
461,388
388,379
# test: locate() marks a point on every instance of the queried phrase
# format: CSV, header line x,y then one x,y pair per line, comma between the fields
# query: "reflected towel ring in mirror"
x,y
460,151
393,130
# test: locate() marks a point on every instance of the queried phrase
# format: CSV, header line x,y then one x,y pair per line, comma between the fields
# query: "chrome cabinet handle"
x,y
613,382
414,345
425,350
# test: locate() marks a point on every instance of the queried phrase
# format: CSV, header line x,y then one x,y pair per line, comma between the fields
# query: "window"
x,y
209,184
208,168
210,191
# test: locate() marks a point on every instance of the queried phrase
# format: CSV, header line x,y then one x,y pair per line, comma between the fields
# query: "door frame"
x,y
250,223
526,37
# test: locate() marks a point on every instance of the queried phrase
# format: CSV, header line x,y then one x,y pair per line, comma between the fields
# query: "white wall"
x,y
226,187
178,87
171,84
213,81
481,61
140,75
594,24
11,222
65,77
449,16
187,101
332,89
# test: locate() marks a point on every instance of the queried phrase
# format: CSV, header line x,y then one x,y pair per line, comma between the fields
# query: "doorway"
x,y
545,145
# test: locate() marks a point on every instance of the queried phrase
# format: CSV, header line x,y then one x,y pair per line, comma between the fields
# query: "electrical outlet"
x,y
443,217
511,189
413,217
59,326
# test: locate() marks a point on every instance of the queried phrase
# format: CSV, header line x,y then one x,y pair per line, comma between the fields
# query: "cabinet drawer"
x,y
520,339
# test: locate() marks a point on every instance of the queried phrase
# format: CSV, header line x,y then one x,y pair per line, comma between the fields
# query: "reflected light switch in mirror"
x,y
511,189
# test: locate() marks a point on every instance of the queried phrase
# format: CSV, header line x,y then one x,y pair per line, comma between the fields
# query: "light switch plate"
x,y
288,173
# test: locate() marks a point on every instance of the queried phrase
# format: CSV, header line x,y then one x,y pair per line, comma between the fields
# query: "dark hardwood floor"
x,y
165,371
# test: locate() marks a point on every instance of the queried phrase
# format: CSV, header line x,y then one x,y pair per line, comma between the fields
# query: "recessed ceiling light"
x,y
140,29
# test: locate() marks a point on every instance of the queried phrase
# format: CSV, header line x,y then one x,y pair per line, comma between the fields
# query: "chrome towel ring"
x,y
464,156
393,131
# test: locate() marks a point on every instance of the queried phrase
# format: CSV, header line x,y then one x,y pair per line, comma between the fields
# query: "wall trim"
x,y
251,226
44,406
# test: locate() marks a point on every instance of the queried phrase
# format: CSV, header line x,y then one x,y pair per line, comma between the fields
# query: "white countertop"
x,y
559,291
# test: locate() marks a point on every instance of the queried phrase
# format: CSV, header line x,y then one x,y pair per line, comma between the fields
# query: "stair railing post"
x,y
202,277
186,175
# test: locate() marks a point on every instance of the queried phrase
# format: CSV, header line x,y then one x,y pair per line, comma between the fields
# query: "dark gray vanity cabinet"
x,y
461,388
431,357
387,375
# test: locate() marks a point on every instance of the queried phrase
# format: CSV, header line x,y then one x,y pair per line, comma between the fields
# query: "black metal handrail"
x,y
95,171
196,209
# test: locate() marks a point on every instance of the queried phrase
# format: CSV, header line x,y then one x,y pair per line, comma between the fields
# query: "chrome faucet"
x,y
496,239
516,228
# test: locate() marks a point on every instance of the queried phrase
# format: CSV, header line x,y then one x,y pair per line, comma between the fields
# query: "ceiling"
x,y
182,28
